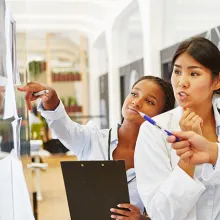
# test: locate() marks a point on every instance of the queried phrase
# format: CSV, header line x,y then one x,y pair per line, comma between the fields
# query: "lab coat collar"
x,y
114,133
216,109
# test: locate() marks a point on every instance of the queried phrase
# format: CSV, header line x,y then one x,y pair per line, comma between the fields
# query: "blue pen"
x,y
147,118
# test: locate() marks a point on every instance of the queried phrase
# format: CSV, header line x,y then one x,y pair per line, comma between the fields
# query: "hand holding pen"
x,y
34,90
151,121
40,93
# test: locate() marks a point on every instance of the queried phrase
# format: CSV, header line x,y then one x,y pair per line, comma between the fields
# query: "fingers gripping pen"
x,y
42,92
150,120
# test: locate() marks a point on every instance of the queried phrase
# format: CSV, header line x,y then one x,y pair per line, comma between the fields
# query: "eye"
x,y
133,94
177,72
194,74
150,102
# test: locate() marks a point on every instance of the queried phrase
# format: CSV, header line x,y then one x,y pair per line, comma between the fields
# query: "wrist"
x,y
213,153
52,102
188,168
143,217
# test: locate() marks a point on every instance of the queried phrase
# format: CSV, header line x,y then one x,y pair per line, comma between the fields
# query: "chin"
x,y
185,105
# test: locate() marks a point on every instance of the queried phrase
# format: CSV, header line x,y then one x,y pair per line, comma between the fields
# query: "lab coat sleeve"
x,y
74,136
166,193
211,174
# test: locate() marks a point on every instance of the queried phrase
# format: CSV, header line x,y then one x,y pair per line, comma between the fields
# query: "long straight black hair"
x,y
203,51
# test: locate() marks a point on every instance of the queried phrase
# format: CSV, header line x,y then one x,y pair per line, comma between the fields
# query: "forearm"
x,y
211,174
143,217
73,135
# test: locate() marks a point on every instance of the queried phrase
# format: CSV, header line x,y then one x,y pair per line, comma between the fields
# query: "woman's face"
x,y
192,82
147,97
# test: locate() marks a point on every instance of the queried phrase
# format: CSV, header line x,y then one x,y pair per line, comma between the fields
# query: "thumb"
x,y
171,139
184,134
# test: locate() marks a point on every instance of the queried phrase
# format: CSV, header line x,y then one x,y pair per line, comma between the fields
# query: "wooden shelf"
x,y
65,77
73,109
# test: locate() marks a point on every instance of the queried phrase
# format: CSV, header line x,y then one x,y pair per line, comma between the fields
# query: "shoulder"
x,y
95,128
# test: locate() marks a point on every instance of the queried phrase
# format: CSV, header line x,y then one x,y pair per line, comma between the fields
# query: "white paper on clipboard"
x,y
3,73
14,200
6,198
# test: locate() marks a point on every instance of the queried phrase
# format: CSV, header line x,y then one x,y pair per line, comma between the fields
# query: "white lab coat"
x,y
167,191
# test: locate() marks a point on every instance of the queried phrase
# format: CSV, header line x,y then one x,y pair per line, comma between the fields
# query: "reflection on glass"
x,y
2,40
6,133
15,72
16,125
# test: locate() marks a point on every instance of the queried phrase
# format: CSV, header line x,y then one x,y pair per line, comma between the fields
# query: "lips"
x,y
182,95
133,110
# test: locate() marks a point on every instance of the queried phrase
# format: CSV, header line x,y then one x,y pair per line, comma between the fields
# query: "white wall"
x,y
98,65
118,52
186,18
130,38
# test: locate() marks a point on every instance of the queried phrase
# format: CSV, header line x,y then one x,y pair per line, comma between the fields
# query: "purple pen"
x,y
147,118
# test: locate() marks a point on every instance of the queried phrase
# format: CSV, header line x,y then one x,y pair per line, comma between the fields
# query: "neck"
x,y
127,134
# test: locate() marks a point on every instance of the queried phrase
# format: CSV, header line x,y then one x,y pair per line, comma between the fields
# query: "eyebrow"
x,y
189,67
153,97
150,95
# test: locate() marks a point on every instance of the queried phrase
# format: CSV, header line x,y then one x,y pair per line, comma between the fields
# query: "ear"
x,y
216,84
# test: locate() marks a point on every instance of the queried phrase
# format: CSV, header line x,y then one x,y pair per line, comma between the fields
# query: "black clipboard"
x,y
93,187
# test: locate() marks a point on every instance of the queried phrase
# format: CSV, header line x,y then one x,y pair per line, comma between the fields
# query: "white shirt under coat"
x,y
87,142
167,191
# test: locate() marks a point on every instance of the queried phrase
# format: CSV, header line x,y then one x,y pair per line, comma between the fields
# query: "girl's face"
x,y
147,97
192,82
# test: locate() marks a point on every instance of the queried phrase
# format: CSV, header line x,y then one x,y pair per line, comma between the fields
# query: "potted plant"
x,y
70,101
35,68
77,76
74,106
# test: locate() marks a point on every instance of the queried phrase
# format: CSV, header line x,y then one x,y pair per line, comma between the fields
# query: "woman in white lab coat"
x,y
150,95
172,188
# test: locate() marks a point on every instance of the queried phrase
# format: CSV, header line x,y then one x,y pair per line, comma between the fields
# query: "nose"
x,y
137,102
183,81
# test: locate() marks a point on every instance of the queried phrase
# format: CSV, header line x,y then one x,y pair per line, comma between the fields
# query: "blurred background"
x,y
90,52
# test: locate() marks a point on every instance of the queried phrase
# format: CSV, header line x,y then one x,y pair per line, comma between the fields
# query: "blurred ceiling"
x,y
67,20
82,16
